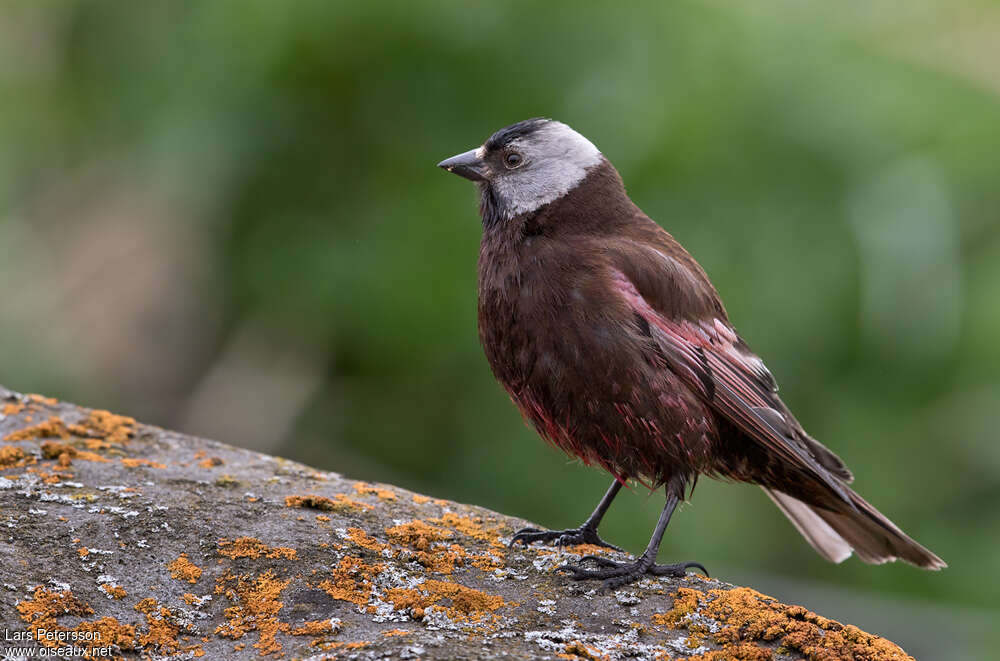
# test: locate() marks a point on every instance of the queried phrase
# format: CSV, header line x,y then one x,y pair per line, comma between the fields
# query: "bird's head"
x,y
525,166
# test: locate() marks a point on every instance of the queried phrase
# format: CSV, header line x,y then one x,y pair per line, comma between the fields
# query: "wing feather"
x,y
687,323
713,361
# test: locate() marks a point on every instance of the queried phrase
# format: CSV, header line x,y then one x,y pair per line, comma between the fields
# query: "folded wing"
x,y
710,358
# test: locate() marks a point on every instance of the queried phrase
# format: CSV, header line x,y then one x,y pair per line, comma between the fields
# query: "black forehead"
x,y
520,130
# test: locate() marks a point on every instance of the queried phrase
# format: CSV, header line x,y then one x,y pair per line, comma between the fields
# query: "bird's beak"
x,y
467,165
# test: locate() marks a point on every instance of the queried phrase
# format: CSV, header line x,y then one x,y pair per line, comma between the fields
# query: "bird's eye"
x,y
513,160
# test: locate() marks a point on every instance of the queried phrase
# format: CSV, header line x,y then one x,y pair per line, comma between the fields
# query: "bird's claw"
x,y
669,570
570,537
616,574
599,560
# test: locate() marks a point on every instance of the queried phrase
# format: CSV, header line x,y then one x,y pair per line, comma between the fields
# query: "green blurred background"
x,y
224,217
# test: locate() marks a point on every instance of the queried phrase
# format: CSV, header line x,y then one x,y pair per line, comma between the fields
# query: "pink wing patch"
x,y
709,357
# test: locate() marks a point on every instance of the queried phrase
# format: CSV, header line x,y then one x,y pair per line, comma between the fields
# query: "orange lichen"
x,y
686,602
42,399
54,427
467,604
41,611
211,462
421,500
99,430
749,616
487,562
105,425
162,632
12,457
421,536
257,610
442,561
473,527
56,450
51,478
313,628
135,463
424,540
366,541
65,453
107,631
352,581
417,534
96,444
396,632
338,503
384,494
587,549
13,408
356,645
113,591
469,526
313,501
251,547
577,650
184,570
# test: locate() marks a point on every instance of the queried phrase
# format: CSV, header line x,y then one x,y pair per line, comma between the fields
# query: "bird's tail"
x,y
864,530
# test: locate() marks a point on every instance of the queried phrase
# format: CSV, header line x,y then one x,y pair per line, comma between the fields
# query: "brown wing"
x,y
703,350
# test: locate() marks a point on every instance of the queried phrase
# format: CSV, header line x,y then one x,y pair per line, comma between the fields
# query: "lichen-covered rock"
x,y
130,541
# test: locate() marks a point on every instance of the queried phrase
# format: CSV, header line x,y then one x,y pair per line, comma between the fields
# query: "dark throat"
x,y
490,207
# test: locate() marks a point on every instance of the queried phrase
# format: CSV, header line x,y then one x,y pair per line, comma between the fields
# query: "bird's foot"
x,y
581,535
616,574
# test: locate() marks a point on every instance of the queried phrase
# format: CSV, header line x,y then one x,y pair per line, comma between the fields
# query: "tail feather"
x,y
871,535
817,532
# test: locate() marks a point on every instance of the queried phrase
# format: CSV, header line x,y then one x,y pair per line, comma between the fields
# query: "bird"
x,y
614,345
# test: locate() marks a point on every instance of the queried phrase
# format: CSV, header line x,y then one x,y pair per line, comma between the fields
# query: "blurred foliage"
x,y
226,217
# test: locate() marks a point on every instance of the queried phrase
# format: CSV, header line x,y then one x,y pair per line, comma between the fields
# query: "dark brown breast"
x,y
571,353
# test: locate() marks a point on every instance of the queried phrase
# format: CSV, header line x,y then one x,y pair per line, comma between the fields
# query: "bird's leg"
x,y
585,534
615,574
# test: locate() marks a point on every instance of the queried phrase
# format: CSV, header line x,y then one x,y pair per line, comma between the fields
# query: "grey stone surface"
x,y
173,546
